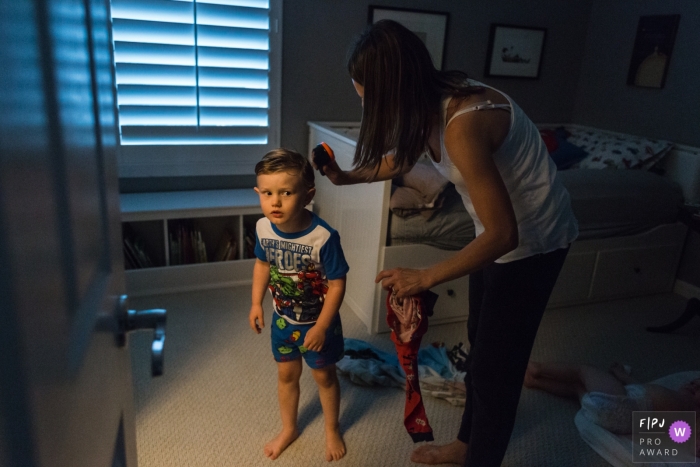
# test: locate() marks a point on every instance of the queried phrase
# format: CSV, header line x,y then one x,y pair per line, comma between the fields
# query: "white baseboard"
x,y
684,289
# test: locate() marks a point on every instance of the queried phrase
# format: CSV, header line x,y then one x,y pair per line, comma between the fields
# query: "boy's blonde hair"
x,y
287,160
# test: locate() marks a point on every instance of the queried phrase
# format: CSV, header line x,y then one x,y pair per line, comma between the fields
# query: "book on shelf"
x,y
129,260
186,243
227,248
135,251
201,247
174,248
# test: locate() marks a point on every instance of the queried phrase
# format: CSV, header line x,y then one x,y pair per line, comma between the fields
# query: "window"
x,y
198,84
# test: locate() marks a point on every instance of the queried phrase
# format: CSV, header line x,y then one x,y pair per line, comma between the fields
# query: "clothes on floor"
x,y
408,320
506,304
614,413
366,365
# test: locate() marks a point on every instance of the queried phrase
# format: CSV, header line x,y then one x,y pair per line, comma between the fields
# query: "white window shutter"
x,y
192,75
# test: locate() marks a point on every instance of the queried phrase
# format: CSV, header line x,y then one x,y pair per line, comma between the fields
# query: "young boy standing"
x,y
299,259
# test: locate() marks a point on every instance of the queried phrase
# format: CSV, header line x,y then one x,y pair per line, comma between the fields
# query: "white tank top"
x,y
541,203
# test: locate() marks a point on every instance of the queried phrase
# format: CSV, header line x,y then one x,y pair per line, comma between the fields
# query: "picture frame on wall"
x,y
515,51
430,26
651,54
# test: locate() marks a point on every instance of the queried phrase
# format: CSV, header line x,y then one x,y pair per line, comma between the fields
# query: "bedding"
x,y
607,203
606,150
418,192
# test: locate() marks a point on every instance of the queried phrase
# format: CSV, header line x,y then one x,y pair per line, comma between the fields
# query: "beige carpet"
x,y
216,405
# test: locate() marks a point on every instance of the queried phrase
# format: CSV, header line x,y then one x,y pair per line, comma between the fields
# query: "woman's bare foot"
x,y
335,446
618,370
279,443
531,374
433,454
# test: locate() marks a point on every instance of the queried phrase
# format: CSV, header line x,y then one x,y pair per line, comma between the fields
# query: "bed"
x,y
630,240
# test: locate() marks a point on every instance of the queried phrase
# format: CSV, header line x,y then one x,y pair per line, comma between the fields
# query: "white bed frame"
x,y
595,270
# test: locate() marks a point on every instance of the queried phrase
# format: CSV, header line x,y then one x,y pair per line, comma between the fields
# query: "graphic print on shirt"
x,y
298,287
301,264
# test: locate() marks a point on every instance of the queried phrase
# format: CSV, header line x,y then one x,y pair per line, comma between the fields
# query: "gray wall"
x,y
317,34
604,100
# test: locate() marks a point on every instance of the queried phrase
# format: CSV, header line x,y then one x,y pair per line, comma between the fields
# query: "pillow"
x,y
563,153
418,191
617,151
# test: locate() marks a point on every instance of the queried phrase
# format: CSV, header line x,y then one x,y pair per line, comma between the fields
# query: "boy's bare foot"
x,y
279,443
335,446
433,454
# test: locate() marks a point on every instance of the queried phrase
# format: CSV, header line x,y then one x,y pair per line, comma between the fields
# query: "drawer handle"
x,y
450,293
637,269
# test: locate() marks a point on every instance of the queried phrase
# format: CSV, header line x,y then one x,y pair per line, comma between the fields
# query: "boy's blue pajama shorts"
x,y
288,340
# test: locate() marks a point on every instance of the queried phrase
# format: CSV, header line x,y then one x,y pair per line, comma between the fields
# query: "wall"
x,y
604,100
318,33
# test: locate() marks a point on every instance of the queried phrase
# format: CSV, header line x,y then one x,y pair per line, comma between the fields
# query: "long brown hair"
x,y
402,93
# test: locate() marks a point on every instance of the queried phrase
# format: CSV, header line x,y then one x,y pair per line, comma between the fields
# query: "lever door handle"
x,y
132,320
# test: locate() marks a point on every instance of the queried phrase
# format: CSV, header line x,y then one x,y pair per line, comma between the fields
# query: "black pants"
x,y
506,303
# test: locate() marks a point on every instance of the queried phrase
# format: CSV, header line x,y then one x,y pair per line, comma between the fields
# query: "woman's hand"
x,y
332,170
403,281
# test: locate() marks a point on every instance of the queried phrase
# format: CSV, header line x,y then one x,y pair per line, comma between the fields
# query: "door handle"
x,y
132,320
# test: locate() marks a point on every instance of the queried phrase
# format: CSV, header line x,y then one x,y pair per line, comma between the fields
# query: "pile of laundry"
x,y
440,372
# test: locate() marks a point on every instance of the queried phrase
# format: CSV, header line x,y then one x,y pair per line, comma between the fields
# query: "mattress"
x,y
607,203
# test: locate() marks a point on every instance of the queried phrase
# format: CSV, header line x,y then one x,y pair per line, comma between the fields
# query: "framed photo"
x,y
652,50
515,51
430,26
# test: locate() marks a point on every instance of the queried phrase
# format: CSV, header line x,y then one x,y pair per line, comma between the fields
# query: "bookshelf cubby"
x,y
185,237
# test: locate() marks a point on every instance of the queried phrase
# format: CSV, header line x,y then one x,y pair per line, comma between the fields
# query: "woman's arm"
x,y
470,140
387,170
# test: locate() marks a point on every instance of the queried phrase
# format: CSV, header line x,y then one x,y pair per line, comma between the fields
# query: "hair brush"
x,y
322,155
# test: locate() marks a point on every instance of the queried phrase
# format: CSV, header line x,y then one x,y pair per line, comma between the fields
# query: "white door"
x,y
65,382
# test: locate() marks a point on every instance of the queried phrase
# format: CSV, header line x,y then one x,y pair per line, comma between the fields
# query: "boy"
x,y
300,260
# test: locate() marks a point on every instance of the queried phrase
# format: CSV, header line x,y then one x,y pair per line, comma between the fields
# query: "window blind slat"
x,y
157,115
130,73
170,135
248,3
164,10
157,95
240,38
233,78
153,32
154,54
233,58
232,97
233,116
239,17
